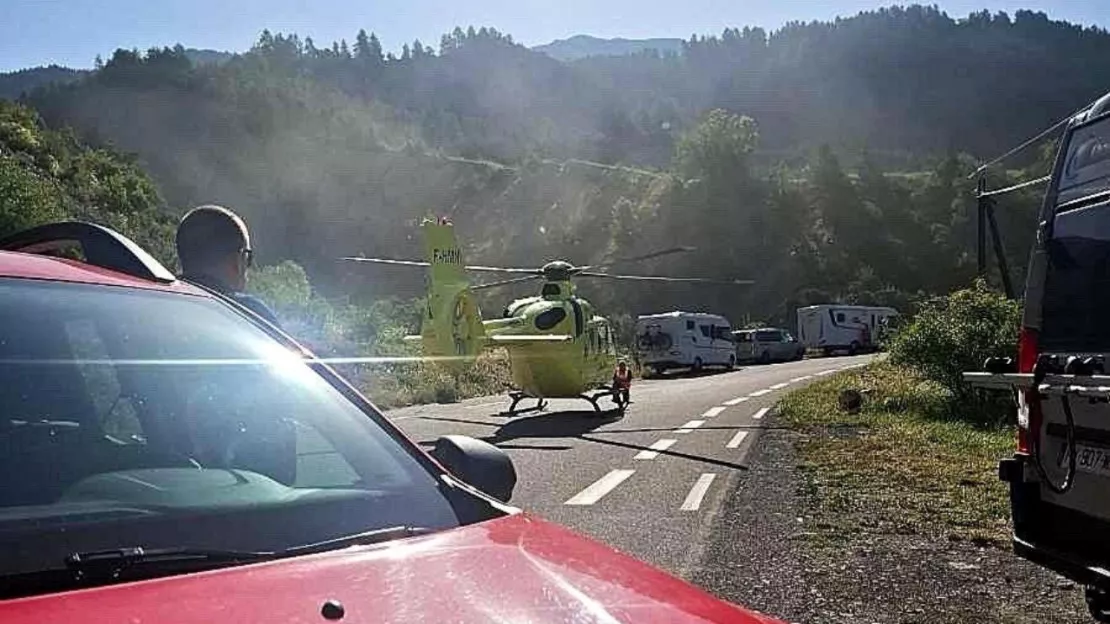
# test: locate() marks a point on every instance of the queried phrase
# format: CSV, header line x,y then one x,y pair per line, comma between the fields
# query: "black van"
x,y
1059,476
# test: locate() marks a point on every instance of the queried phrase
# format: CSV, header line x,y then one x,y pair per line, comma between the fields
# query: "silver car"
x,y
769,344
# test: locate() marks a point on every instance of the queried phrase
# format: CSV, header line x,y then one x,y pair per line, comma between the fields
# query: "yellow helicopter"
x,y
558,347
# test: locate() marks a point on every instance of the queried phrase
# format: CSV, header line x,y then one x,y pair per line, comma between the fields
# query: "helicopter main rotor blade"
x,y
656,254
493,269
421,263
527,278
415,263
660,278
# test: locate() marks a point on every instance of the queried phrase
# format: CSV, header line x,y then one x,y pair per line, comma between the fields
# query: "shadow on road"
x,y
581,425
689,373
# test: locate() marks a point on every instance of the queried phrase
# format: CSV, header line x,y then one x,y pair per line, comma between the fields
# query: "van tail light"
x,y
1029,404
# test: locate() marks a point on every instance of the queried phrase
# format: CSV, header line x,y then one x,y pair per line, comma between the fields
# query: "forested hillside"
x,y
48,175
827,161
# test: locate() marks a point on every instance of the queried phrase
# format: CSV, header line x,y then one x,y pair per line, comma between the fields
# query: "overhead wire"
x,y
1015,187
1025,144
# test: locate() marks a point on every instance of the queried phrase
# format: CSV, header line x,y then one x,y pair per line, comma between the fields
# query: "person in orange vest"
x,y
622,384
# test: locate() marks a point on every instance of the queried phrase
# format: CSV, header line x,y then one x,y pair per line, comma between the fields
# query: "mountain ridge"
x,y
584,46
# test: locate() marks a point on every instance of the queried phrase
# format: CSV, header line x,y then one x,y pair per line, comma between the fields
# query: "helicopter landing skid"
x,y
602,393
517,397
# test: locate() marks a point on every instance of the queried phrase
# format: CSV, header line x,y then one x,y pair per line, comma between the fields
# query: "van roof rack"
x,y
100,246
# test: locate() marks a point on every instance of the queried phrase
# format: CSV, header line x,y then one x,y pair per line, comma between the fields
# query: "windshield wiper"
x,y
83,569
364,538
112,563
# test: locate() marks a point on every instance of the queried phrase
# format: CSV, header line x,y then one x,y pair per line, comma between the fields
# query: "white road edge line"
x,y
737,439
780,386
713,412
600,488
697,493
802,378
759,393
690,426
652,451
828,372
760,414
737,401
483,405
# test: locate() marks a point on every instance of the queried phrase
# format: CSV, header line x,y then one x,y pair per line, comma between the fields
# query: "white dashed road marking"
x,y
697,493
713,412
802,378
690,426
760,414
600,488
780,386
736,401
826,373
759,393
737,439
653,451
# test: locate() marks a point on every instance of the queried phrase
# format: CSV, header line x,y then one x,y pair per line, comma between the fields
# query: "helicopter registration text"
x,y
447,256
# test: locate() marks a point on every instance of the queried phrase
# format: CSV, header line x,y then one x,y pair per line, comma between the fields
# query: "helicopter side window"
x,y
705,330
689,326
550,318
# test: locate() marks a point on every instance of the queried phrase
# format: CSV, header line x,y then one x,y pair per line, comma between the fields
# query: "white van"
x,y
684,340
831,327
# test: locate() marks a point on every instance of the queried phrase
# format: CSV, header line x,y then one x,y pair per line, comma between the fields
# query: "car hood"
x,y
513,569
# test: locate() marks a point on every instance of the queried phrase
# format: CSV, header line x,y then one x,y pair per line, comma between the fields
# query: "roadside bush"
x,y
956,333
344,330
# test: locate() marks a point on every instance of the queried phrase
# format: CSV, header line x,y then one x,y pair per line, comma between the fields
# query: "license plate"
x,y
1090,459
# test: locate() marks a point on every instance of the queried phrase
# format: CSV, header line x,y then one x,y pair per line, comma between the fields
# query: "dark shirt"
x,y
248,301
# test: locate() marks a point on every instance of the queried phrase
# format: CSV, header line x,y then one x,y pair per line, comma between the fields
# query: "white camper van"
x,y
854,329
684,340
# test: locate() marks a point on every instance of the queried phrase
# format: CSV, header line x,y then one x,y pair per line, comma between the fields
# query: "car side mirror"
x,y
478,463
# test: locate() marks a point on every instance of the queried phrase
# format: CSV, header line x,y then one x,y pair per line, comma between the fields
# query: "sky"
x,y
74,32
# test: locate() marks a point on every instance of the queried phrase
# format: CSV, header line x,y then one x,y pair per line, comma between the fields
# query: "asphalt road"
x,y
651,483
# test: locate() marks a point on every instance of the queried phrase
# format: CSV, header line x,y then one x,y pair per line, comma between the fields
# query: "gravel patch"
x,y
762,555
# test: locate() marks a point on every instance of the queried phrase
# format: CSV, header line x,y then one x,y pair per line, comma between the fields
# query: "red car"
x,y
165,455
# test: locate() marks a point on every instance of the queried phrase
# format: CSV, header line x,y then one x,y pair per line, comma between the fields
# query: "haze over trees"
x,y
827,161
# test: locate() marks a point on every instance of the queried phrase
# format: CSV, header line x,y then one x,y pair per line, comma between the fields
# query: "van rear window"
x,y
1077,285
1086,169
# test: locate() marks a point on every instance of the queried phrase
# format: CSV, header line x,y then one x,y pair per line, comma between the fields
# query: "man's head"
x,y
213,241
621,365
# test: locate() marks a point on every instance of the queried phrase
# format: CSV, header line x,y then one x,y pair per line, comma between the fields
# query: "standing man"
x,y
214,248
622,384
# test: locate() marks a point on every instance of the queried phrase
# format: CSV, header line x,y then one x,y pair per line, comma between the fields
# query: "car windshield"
x,y
143,418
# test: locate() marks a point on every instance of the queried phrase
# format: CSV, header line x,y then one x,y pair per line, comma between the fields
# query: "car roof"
x,y
20,265
680,314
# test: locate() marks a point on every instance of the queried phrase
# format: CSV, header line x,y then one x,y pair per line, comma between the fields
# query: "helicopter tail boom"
x,y
452,324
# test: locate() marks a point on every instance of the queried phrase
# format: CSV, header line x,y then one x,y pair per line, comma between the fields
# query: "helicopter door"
x,y
577,317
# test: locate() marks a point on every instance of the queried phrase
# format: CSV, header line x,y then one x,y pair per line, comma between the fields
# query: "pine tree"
x,y
375,50
362,45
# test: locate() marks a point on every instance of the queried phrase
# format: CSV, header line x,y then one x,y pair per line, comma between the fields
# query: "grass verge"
x,y
905,464
399,385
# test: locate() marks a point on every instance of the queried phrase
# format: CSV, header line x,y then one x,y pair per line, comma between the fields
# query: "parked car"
x,y
770,344
151,429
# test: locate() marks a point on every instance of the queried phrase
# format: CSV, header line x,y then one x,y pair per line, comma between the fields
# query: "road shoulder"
x,y
763,553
